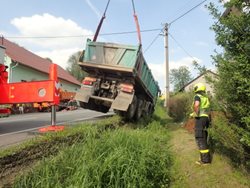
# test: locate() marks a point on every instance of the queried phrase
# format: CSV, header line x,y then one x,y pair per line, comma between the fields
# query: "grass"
x,y
135,155
188,174
143,154
120,158
70,133
19,159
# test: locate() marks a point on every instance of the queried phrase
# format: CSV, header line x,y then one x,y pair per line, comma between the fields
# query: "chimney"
x,y
2,54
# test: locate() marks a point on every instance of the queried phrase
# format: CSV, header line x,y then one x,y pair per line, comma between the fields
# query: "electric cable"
x,y
175,21
153,41
117,33
181,46
187,12
79,36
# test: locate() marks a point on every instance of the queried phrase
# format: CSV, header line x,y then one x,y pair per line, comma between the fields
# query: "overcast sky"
x,y
190,38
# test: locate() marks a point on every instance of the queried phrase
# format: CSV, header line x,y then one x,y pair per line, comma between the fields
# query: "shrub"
x,y
233,63
180,106
226,139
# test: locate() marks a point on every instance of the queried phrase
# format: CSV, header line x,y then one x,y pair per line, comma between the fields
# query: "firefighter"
x,y
201,114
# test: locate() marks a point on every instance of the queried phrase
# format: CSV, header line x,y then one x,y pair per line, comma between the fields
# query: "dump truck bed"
x,y
124,61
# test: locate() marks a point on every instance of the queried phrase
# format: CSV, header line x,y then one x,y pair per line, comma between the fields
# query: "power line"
x,y
153,41
117,33
187,12
79,36
181,46
156,37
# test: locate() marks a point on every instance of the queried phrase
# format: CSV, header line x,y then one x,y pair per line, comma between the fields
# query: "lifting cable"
x,y
100,23
104,16
137,23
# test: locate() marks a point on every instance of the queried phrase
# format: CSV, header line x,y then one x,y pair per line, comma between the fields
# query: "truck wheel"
x,y
83,104
138,112
151,109
103,109
131,109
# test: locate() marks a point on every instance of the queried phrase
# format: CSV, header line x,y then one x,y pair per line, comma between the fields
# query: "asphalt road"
x,y
17,128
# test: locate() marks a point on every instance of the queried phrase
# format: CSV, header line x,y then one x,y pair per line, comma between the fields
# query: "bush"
x,y
226,139
180,106
233,86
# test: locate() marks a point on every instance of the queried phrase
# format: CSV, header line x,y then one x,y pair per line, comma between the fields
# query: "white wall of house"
x,y
209,87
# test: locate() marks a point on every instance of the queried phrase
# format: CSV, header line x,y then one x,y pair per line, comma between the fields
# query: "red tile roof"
x,y
29,59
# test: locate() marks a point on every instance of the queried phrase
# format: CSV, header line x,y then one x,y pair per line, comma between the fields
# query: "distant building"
x,y
236,11
25,66
201,79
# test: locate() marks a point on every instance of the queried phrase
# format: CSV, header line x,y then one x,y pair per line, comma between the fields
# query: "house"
x,y
25,66
236,10
201,79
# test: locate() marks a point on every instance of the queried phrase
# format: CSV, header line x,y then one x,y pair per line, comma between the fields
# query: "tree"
x,y
180,77
232,32
74,69
201,69
47,58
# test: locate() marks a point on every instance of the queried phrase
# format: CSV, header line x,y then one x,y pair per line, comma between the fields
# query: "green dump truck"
x,y
118,78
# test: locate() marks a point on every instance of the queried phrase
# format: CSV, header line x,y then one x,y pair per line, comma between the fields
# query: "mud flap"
x,y
84,94
122,101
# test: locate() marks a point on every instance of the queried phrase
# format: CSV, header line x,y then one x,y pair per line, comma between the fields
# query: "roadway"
x,y
17,128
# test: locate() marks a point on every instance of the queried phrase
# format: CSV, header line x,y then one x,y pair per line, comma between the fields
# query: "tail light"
x,y
88,81
129,88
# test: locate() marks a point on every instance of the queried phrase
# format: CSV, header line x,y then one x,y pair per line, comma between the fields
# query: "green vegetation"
x,y
127,156
233,88
180,77
225,138
73,68
190,175
180,106
154,152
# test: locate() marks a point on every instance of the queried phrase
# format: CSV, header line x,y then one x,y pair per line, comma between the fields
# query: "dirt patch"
x,y
189,125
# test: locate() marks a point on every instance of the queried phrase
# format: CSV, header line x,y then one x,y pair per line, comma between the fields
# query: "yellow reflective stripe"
x,y
204,115
204,151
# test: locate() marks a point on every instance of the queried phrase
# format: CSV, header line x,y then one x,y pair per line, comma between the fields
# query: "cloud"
x,y
94,9
46,25
49,25
159,70
59,57
201,44
186,61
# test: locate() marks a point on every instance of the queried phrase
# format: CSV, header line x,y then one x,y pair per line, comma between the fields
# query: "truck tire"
x,y
138,112
131,109
151,109
90,105
103,109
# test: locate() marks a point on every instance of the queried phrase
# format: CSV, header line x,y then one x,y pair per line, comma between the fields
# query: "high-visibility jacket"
x,y
204,106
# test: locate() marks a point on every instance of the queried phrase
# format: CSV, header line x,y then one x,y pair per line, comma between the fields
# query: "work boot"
x,y
205,157
201,163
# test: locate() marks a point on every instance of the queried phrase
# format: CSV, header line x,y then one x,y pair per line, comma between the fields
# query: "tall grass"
x,y
117,157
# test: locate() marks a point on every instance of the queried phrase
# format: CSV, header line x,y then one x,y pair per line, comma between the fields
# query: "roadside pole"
x,y
53,115
166,66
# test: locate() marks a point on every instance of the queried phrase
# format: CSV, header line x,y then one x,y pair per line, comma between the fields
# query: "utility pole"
x,y
166,66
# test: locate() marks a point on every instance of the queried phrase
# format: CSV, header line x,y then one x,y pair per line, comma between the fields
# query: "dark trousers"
x,y
201,124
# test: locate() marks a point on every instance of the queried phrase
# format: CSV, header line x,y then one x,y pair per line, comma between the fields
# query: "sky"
x,y
59,28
